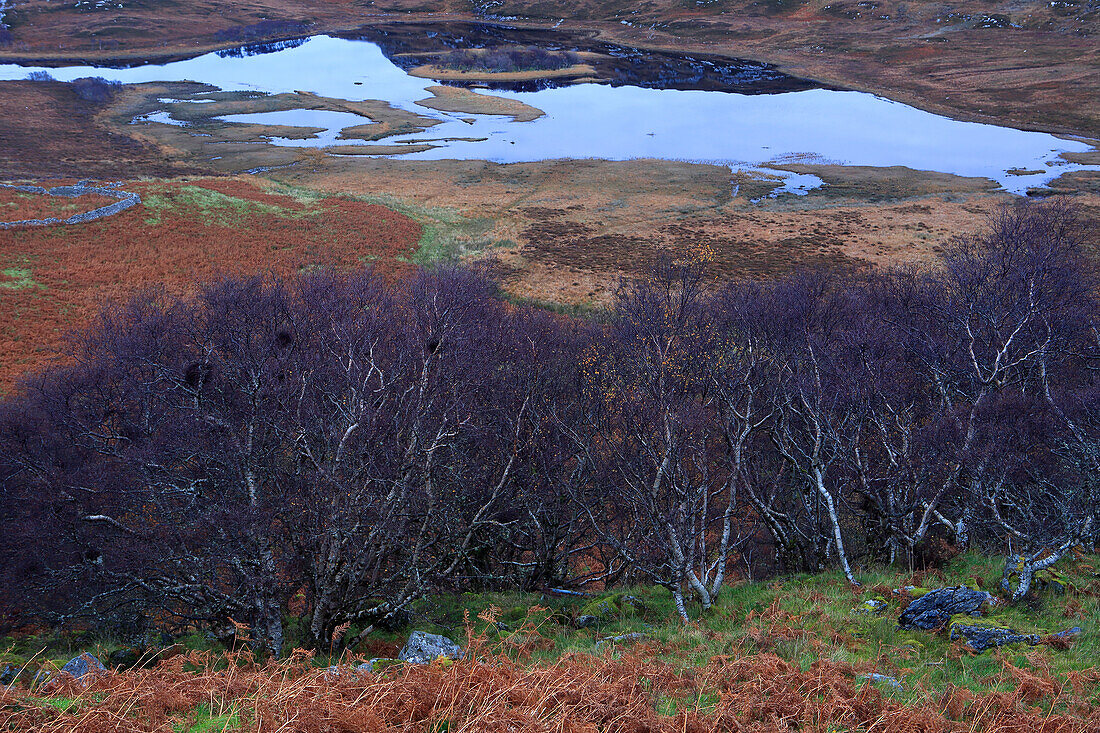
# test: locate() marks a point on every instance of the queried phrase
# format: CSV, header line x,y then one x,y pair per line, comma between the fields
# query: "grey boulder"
x,y
584,621
634,636
983,638
423,648
84,666
934,609
1073,633
9,674
881,678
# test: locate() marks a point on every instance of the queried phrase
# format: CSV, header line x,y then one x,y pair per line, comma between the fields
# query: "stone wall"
x,y
126,199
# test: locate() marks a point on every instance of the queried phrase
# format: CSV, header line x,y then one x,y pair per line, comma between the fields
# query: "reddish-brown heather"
x,y
19,206
741,693
74,270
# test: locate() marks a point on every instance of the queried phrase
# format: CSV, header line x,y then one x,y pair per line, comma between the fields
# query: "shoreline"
x,y
781,59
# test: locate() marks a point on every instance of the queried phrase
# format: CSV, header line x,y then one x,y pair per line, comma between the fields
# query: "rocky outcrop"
x,y
423,648
612,608
982,637
376,665
934,609
1069,634
584,621
125,658
141,655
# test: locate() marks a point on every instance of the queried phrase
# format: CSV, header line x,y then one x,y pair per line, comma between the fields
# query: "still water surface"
x,y
744,131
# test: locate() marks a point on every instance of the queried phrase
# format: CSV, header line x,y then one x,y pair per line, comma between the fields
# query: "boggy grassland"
x,y
565,231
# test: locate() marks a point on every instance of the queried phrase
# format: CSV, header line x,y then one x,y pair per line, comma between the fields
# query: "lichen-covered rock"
x,y
423,648
613,607
336,671
84,666
911,591
1052,581
518,616
377,664
634,636
981,638
934,609
871,607
584,621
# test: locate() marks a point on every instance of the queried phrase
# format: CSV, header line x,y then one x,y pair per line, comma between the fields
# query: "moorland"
x,y
641,441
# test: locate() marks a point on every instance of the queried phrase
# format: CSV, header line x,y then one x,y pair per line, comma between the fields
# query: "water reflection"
x,y
621,122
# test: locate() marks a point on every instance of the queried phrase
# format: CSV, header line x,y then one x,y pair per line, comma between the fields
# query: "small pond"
x,y
741,128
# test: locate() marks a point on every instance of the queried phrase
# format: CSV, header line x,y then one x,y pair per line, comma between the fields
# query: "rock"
x,y
153,639
584,621
376,665
983,638
871,607
84,666
619,639
1069,633
910,590
170,651
1053,581
613,607
336,671
935,608
143,656
423,648
514,617
41,677
876,677
9,674
126,658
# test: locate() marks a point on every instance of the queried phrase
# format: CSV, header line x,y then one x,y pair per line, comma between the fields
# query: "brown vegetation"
x,y
569,228
743,692
1032,67
50,131
432,71
54,279
20,206
458,99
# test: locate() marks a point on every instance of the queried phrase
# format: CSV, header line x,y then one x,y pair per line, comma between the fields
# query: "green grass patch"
x,y
202,720
18,278
58,703
446,234
801,618
215,208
